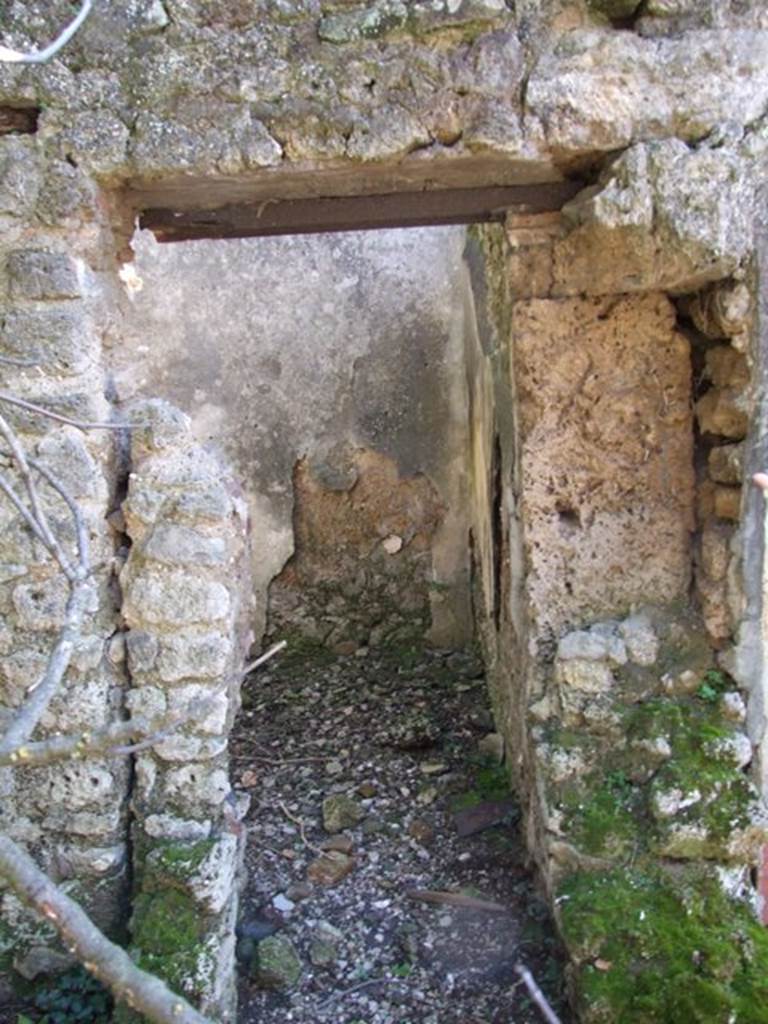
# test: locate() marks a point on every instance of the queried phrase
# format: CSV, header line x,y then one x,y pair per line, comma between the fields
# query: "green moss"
x,y
605,825
656,947
167,922
490,781
177,861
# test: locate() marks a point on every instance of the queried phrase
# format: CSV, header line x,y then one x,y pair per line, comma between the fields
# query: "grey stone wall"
x,y
190,104
186,606
73,817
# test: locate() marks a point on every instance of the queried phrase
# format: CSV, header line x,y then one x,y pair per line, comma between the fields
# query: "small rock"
x,y
683,683
256,928
367,790
339,843
341,811
372,826
345,648
325,944
249,779
330,868
298,892
732,706
433,768
492,746
421,831
426,796
277,964
392,544
406,938
415,732
334,768
484,815
283,904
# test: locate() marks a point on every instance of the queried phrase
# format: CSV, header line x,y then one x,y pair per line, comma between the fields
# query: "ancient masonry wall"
x,y
187,606
625,733
633,724
73,817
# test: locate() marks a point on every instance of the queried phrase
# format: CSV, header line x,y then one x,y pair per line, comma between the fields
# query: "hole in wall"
x,y
18,120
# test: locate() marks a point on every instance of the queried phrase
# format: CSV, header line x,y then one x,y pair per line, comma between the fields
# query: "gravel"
x,y
398,737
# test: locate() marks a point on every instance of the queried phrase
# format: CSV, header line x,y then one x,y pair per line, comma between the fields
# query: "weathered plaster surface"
x,y
607,455
317,348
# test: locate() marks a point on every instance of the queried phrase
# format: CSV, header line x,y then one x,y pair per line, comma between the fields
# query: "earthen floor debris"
x,y
363,771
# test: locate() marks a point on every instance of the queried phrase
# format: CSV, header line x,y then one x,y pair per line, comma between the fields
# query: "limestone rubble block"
x,y
726,463
728,503
36,274
600,89
595,467
726,367
640,638
723,412
723,310
662,216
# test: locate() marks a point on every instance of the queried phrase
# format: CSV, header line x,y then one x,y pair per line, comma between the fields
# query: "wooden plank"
x,y
357,213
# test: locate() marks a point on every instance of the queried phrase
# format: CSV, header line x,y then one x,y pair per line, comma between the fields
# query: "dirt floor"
x,y
369,775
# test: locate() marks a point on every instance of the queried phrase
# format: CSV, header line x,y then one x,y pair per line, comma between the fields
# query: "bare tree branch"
x,y
59,418
38,513
41,56
77,516
270,653
7,488
537,995
102,958
40,696
120,738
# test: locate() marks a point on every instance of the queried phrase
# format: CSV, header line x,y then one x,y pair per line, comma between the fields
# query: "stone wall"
x,y
659,110
613,484
72,817
187,611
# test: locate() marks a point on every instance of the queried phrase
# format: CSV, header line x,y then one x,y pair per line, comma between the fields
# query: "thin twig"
x,y
12,361
102,958
456,899
77,516
7,488
59,418
41,56
273,650
537,995
37,701
38,512
356,988
302,832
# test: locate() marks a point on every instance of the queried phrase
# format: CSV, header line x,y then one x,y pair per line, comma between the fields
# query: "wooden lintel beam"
x,y
356,213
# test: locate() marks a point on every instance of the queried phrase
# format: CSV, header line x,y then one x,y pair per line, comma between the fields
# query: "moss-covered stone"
x,y
166,923
655,946
277,964
176,862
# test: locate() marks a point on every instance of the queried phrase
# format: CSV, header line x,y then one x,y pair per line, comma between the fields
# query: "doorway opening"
x,y
383,839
